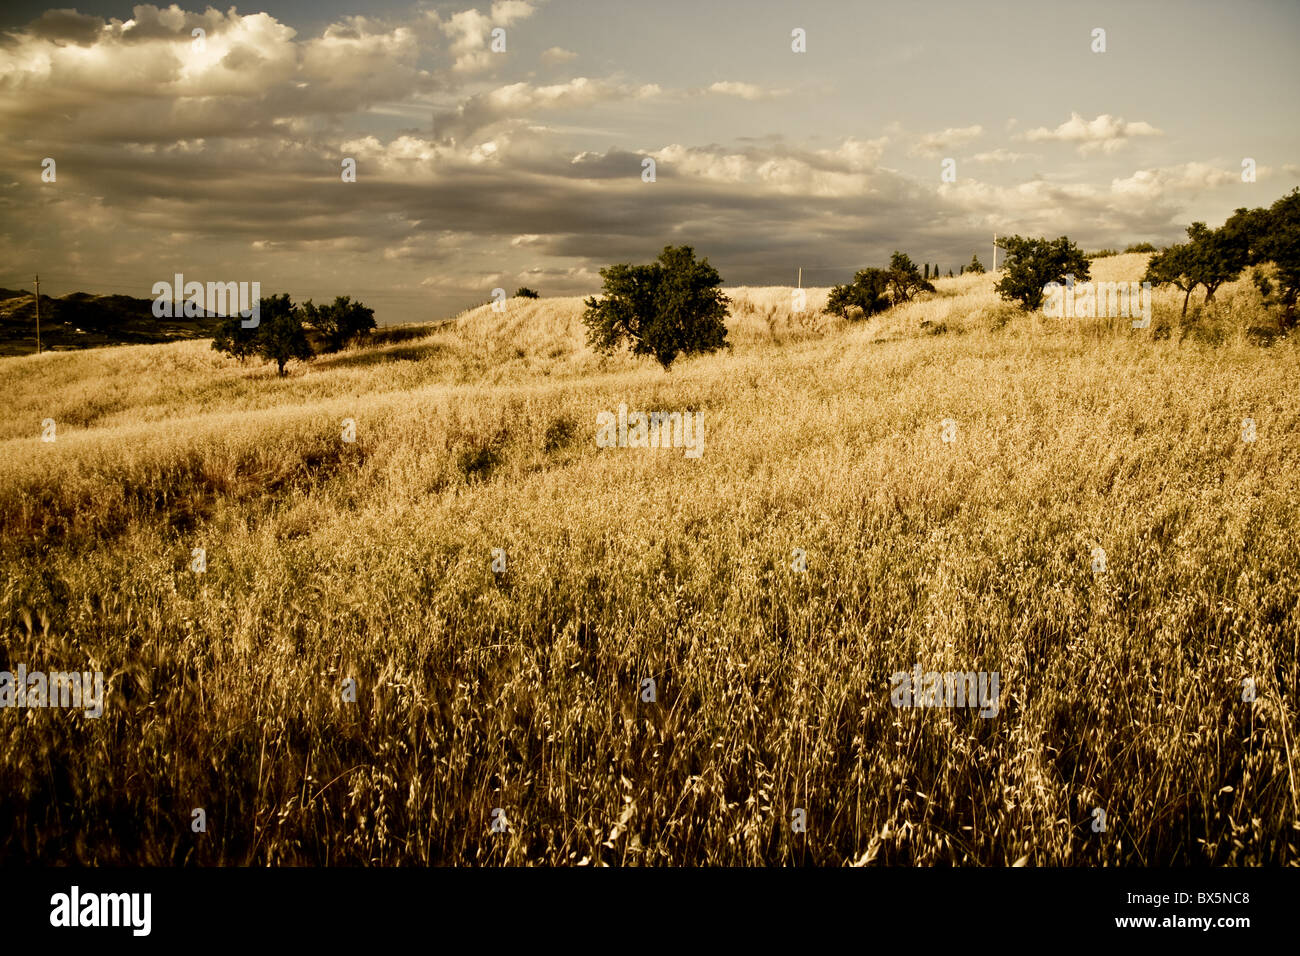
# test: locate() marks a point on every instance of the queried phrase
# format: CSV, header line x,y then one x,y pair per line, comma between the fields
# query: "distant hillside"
x,y
80,320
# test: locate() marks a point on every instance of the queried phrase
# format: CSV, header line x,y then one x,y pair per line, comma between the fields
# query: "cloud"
x,y
518,100
148,80
1105,134
226,161
66,26
1000,155
843,171
1187,177
557,55
745,91
932,144
471,30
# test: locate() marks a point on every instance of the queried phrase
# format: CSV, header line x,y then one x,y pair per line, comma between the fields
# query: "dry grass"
x,y
520,691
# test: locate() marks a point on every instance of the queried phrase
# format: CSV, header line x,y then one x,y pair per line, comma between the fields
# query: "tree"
x,y
339,323
671,307
1173,266
280,335
975,265
1033,263
1218,255
1277,240
231,337
867,292
904,279
523,292
1210,257
926,274
1141,247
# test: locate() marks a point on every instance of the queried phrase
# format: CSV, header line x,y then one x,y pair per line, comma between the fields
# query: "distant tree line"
x,y
1266,241
675,306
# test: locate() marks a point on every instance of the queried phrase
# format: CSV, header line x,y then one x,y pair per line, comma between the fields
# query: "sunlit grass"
x,y
521,691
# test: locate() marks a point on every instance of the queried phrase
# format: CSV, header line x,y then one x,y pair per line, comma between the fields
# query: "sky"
x,y
221,157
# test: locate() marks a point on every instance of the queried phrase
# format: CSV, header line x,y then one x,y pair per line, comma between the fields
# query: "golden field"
x,y
521,691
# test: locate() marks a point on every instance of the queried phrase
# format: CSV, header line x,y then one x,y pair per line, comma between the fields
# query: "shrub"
x,y
478,457
865,293
904,279
523,292
559,433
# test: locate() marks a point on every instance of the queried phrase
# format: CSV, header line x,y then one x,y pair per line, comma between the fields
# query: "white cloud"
x,y
470,31
746,91
847,170
999,155
558,54
516,100
932,144
1156,183
1105,134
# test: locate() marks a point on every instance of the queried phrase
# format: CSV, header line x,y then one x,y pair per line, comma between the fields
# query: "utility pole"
x,y
995,252
801,277
38,315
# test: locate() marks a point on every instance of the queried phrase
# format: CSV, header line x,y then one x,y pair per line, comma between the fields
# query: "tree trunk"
x,y
1187,295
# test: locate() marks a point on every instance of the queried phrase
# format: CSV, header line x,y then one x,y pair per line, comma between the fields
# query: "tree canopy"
x,y
1033,263
673,306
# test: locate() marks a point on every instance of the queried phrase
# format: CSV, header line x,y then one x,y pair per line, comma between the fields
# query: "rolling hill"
x,y
355,677
81,320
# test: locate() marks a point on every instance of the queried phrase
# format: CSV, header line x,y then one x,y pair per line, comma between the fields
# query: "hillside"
x,y
524,691
80,320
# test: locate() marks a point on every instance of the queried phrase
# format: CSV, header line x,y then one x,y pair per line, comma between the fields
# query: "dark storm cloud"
x,y
231,154
67,26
